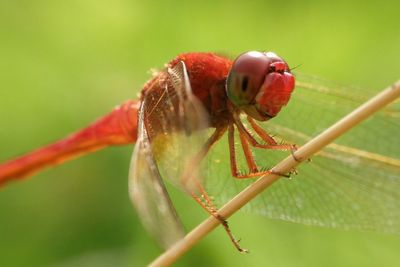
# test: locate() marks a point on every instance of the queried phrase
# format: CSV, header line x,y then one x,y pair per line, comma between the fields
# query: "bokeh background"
x,y
62,64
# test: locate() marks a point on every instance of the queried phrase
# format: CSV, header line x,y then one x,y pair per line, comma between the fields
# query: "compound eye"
x,y
246,77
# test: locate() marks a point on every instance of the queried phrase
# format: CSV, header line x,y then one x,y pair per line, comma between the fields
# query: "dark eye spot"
x,y
272,69
245,83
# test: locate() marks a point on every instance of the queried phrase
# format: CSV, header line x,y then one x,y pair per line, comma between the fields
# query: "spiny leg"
x,y
205,200
251,163
268,139
232,152
248,155
211,209
261,132
270,142
254,172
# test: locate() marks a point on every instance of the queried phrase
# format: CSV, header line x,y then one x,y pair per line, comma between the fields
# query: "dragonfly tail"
x,y
119,127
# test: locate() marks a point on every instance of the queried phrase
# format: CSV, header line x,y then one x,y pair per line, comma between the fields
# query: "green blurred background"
x,y
62,64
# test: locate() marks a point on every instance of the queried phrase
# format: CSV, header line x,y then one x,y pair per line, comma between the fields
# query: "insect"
x,y
352,184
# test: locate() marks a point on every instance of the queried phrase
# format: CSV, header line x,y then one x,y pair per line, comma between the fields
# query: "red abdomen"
x,y
119,127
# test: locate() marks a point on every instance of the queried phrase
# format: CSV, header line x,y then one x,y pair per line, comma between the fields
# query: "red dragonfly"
x,y
354,184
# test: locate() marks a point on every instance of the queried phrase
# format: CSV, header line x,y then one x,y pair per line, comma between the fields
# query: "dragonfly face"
x,y
260,84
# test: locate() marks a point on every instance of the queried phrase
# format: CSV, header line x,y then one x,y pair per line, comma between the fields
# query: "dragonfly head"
x,y
260,84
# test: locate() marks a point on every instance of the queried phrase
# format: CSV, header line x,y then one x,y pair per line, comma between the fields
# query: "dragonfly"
x,y
200,104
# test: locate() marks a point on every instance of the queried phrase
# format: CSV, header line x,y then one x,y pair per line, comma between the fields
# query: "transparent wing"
x,y
354,183
148,192
171,122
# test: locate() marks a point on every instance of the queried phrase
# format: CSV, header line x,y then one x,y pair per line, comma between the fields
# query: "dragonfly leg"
x,y
270,143
206,203
251,163
254,172
293,155
204,200
270,140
